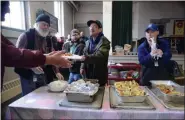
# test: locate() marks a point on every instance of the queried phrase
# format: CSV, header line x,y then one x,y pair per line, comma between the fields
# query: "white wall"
x,y
68,18
143,12
12,35
9,75
88,11
107,20
135,17
49,7
34,6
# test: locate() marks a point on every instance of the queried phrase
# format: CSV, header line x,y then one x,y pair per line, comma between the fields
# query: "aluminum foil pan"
x,y
86,87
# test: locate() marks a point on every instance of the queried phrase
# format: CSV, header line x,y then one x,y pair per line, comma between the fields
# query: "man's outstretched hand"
x,y
55,58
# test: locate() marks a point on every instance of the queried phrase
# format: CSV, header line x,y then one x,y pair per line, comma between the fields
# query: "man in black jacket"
x,y
76,48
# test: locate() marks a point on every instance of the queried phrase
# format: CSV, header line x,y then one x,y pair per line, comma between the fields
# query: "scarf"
x,y
93,43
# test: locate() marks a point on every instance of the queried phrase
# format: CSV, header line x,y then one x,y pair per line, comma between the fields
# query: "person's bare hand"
x,y
59,76
83,58
55,58
153,52
82,71
39,69
159,52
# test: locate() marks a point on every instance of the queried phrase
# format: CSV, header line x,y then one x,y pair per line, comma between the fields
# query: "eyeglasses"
x,y
93,26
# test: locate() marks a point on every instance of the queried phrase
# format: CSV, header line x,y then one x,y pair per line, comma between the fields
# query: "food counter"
x,y
42,104
134,59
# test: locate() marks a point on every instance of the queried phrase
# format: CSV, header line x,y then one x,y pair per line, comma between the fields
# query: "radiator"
x,y
10,89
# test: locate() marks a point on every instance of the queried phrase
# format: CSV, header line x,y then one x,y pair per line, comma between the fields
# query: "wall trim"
x,y
10,89
13,29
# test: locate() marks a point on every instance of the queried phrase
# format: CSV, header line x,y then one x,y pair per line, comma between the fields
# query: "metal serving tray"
x,y
81,97
78,97
175,98
160,98
95,104
166,82
166,97
115,102
132,99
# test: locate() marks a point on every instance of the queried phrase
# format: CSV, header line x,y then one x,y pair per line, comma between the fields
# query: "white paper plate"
x,y
73,57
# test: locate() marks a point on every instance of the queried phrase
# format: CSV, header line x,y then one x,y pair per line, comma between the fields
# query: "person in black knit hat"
x,y
43,17
37,39
42,25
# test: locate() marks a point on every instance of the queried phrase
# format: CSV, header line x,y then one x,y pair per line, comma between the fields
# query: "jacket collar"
x,y
97,46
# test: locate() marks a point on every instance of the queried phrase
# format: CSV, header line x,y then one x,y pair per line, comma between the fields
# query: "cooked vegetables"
x,y
129,88
169,89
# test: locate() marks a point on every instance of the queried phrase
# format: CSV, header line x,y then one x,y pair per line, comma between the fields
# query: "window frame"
x,y
60,16
23,18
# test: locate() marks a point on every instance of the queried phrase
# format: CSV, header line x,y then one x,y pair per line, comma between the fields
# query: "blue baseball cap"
x,y
152,27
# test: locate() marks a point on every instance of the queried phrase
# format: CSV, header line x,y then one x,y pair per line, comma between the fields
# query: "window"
x,y
16,17
59,12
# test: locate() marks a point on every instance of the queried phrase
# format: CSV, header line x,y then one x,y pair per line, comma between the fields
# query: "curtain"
x,y
121,23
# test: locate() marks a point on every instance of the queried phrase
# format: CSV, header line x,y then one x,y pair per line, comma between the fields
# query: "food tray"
x,y
160,98
132,99
157,82
116,103
175,98
95,104
166,82
81,96
166,97
171,105
78,97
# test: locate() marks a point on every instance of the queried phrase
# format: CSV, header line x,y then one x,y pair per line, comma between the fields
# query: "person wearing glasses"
x,y
96,53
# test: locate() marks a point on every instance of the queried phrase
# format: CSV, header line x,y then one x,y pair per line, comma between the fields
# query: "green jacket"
x,y
95,65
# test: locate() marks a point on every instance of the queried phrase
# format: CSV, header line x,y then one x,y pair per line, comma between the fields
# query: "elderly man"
x,y
154,56
14,57
37,39
96,53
